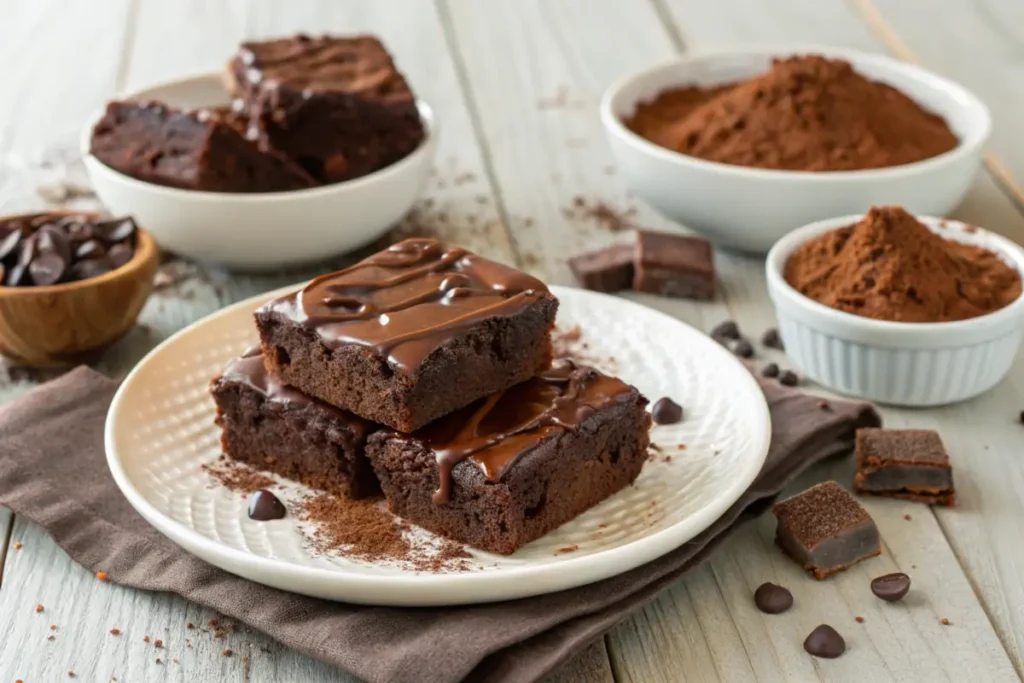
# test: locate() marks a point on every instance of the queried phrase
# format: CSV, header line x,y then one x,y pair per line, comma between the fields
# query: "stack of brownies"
x,y
426,372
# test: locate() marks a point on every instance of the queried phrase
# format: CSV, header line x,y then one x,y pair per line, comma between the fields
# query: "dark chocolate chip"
x,y
666,411
891,587
9,245
115,230
789,378
52,238
771,370
826,642
771,339
90,249
743,349
120,254
265,506
726,330
47,268
89,268
772,599
27,251
17,275
3,272
1022,417
78,232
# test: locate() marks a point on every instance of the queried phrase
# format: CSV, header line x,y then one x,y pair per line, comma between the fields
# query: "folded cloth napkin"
x,y
53,471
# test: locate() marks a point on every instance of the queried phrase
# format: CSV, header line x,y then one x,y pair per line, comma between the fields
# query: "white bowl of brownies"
x,y
305,148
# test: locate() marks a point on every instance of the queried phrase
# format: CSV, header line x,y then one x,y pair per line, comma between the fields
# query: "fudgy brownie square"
x,y
517,464
276,428
604,270
411,333
197,150
825,530
337,105
904,463
674,265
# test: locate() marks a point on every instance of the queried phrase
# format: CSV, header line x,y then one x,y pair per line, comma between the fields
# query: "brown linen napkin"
x,y
53,471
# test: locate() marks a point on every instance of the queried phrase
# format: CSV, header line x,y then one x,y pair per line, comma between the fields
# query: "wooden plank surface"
x,y
692,632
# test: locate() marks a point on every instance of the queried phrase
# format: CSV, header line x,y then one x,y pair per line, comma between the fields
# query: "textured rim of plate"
x,y
512,583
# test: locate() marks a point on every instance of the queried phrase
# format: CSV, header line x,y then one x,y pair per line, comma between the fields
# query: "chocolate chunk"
x,y
911,464
891,587
115,230
789,378
88,268
825,530
120,254
826,642
743,349
9,244
604,270
265,506
50,238
47,268
665,411
772,599
90,249
674,265
726,330
771,370
771,339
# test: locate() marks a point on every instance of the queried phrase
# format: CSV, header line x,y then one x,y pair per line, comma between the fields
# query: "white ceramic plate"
x,y
160,432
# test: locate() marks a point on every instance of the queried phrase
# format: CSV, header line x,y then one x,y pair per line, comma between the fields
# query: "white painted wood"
x,y
701,630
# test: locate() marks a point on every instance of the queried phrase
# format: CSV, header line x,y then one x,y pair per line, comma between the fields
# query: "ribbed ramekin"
x,y
908,364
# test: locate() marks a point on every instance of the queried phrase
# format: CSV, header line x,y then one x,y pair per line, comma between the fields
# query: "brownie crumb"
x,y
569,549
158,643
859,620
602,214
51,637
213,622
227,653
39,607
101,576
115,631
238,476
944,621
17,545
570,344
145,639
907,517
159,661
71,674
190,626
53,627
824,405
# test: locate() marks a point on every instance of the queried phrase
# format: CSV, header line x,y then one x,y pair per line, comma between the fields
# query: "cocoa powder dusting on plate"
x,y
808,113
358,527
889,266
238,476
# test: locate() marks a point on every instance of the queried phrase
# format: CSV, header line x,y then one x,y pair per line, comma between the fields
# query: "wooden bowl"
x,y
60,324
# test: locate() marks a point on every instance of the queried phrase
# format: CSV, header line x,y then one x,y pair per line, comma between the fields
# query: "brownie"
x,y
277,428
904,463
604,270
337,105
517,464
825,529
193,150
674,265
411,333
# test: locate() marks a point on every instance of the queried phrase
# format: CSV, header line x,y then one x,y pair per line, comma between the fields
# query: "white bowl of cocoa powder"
x,y
745,146
897,309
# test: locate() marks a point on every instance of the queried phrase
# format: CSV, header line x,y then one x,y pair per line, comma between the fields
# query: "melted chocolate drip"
x,y
495,431
265,506
410,299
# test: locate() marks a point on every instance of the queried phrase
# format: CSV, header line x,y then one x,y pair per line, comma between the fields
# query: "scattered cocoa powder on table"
x,y
808,113
889,266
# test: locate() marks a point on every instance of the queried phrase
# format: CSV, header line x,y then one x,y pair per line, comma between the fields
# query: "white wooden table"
x,y
515,84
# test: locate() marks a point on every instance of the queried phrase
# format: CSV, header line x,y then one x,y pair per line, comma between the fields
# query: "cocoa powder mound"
x,y
889,266
808,113
359,527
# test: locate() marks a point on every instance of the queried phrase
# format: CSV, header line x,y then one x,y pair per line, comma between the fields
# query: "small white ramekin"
x,y
907,364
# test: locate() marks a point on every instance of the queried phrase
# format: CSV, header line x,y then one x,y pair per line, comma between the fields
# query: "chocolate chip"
x,y
772,599
789,378
726,330
28,251
47,268
89,268
265,506
115,230
826,642
743,349
666,411
771,370
891,587
1022,417
50,238
77,230
90,249
771,339
9,244
17,275
120,254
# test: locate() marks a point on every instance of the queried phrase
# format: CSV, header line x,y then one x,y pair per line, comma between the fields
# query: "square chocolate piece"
x,y
825,530
516,465
337,105
411,333
674,265
276,428
193,150
605,270
904,463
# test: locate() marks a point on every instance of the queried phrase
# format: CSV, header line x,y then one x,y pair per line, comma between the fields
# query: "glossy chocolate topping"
x,y
356,64
495,431
250,371
409,299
